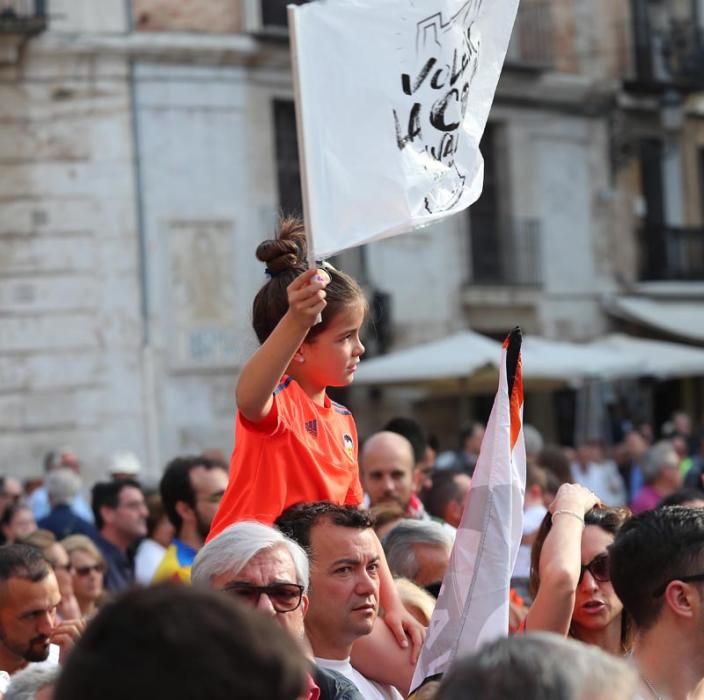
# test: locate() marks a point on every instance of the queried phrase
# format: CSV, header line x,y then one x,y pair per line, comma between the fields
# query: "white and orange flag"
x,y
473,605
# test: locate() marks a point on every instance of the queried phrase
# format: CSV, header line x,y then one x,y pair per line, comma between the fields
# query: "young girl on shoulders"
x,y
292,443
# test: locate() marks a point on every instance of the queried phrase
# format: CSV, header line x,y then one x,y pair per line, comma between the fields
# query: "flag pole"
x,y
292,11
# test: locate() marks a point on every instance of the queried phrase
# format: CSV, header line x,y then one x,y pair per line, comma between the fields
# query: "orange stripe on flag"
x,y
517,403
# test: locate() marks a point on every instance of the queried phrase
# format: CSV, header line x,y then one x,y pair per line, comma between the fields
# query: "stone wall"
x,y
208,16
70,326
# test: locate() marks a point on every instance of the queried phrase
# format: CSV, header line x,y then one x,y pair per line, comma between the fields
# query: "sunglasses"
x,y
685,579
598,568
284,597
85,570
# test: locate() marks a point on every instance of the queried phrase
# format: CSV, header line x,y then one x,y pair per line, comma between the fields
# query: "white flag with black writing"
x,y
392,98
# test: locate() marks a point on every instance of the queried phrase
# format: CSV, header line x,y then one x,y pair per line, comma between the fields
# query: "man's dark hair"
x,y
682,496
297,521
155,508
652,549
107,493
180,642
412,431
444,490
23,561
175,485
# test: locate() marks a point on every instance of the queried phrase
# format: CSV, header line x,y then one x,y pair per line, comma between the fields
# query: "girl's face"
x,y
87,575
596,604
331,358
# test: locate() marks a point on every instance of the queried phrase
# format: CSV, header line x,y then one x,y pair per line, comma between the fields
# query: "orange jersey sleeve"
x,y
300,452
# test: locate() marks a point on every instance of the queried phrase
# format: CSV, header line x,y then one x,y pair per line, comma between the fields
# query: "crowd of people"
x,y
305,568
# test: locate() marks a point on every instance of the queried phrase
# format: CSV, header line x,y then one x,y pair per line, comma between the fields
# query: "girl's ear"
x,y
298,357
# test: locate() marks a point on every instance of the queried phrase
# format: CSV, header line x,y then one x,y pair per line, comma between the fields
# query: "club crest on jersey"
x,y
348,442
311,427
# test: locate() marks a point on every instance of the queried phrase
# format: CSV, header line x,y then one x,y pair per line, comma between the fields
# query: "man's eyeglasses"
x,y
284,597
685,579
85,570
598,568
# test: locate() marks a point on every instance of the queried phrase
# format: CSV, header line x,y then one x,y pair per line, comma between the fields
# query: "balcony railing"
x,y
532,40
671,253
22,17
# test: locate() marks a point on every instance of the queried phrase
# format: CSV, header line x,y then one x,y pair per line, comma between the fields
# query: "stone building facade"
x,y
146,146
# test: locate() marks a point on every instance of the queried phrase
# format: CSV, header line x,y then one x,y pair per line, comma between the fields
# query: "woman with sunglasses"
x,y
569,577
88,567
57,556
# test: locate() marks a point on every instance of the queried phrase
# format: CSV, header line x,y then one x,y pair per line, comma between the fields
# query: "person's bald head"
x,y
386,466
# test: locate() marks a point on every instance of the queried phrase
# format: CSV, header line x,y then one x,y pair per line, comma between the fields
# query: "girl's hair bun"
x,y
286,259
287,251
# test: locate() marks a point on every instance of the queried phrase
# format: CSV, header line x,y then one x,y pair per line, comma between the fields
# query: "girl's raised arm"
x,y
263,371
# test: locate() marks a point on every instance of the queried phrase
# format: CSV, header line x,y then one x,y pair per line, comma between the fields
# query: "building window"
x,y
287,165
505,250
668,249
651,168
274,12
532,40
22,16
701,184
484,222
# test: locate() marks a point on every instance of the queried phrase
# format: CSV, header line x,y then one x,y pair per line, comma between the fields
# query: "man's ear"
x,y
453,511
305,602
417,478
185,512
107,514
682,598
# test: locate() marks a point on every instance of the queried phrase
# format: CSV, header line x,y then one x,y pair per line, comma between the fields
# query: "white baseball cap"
x,y
124,463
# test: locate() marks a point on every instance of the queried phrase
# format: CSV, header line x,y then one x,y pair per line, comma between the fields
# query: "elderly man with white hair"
x,y
662,475
63,486
265,569
419,550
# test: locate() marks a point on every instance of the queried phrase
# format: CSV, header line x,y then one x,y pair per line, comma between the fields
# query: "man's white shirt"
x,y
50,662
369,689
